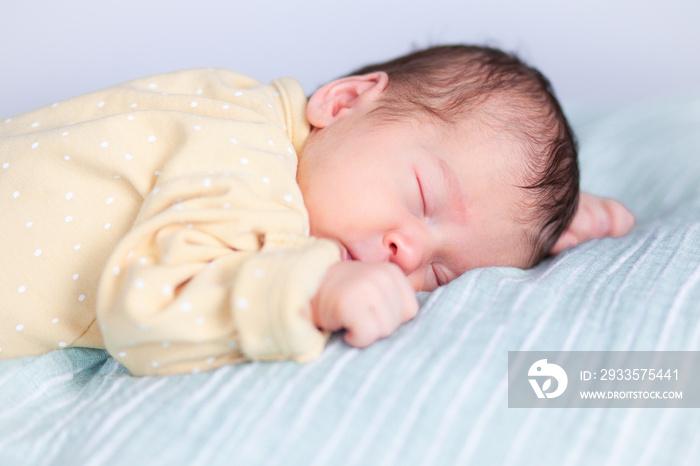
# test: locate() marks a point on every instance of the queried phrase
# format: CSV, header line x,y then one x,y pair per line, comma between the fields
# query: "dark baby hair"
x,y
451,83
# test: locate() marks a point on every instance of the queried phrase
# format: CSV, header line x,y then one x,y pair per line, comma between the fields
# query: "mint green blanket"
x,y
435,393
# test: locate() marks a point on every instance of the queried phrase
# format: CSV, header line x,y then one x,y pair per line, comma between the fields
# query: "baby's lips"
x,y
344,253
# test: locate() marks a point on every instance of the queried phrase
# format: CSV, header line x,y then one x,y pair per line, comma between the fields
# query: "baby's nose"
x,y
403,250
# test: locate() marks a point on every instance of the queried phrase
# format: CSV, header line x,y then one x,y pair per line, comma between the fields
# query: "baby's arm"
x,y
595,217
369,300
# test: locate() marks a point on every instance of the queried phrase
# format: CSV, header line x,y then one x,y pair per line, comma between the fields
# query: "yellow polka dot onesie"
x,y
161,220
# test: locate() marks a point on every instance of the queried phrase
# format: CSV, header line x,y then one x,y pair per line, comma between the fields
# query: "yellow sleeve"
x,y
218,266
181,293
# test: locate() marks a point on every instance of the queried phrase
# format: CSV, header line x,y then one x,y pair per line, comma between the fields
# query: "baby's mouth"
x,y
345,254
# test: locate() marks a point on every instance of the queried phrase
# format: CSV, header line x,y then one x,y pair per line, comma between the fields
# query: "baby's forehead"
x,y
505,156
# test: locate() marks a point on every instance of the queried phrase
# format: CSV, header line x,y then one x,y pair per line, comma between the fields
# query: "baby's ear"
x,y
342,96
595,217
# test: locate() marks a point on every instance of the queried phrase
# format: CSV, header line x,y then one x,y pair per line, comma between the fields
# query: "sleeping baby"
x,y
200,218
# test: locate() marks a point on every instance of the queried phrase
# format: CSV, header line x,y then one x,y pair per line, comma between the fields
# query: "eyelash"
x,y
437,276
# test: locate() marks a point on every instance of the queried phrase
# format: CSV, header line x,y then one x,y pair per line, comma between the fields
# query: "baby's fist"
x,y
595,217
370,300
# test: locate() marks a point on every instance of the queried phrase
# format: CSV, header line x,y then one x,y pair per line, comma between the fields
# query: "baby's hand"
x,y
369,300
595,217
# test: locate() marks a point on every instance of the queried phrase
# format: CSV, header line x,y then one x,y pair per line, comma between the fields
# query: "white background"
x,y
598,53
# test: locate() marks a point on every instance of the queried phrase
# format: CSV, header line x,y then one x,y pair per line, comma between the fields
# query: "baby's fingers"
x,y
392,302
620,219
600,217
409,306
401,295
362,335
595,217
377,323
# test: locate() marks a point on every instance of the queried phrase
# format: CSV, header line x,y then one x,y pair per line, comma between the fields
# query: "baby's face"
x,y
436,204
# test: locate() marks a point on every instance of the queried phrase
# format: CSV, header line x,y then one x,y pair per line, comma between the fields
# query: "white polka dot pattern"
x,y
188,287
